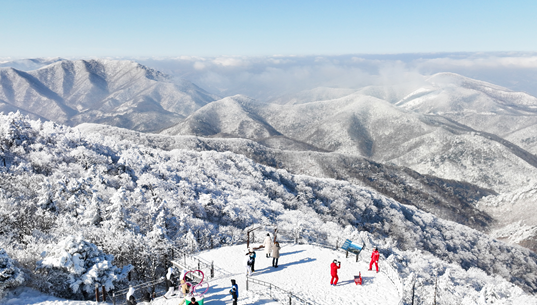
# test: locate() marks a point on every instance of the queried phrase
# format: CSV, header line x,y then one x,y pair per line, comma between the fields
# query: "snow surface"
x,y
304,270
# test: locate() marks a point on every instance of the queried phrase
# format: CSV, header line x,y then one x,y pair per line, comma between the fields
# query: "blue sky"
x,y
209,28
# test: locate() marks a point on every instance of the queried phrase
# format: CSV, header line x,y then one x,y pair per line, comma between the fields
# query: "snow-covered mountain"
x,y
434,142
112,92
361,125
479,105
137,202
28,64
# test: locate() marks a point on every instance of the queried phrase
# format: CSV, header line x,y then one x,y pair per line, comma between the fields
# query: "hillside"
x,y
137,202
118,93
451,200
360,125
480,105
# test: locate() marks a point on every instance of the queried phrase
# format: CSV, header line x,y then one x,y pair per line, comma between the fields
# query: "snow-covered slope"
x,y
229,116
366,126
29,64
112,92
477,104
313,95
448,199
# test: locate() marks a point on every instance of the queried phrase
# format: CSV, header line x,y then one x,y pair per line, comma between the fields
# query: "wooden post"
x,y
275,233
290,300
114,298
104,293
435,285
212,269
413,287
199,267
246,283
248,240
97,293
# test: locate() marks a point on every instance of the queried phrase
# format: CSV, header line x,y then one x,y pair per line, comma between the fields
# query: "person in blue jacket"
x,y
234,291
252,256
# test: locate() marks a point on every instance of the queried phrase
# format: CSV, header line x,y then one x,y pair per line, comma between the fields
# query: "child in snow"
x,y
268,245
234,291
374,259
333,272
248,263
275,254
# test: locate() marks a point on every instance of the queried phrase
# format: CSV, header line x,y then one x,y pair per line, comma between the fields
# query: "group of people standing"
x,y
335,265
272,249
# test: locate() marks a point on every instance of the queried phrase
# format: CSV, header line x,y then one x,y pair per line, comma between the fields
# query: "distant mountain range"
x,y
120,93
455,137
361,125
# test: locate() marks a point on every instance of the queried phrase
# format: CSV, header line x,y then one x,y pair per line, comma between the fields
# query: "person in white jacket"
x,y
268,245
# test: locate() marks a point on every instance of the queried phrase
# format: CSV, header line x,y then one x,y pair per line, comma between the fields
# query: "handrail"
x,y
271,286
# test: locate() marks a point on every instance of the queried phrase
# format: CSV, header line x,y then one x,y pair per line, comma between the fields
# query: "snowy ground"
x,y
303,270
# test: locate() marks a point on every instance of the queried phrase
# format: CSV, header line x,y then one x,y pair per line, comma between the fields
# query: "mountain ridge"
x,y
103,91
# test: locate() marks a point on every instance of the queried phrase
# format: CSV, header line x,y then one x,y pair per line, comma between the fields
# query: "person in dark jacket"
x,y
131,301
374,259
194,302
146,297
252,257
234,291
333,272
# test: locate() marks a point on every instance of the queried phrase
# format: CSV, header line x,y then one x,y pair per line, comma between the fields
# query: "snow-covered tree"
x,y
10,275
82,265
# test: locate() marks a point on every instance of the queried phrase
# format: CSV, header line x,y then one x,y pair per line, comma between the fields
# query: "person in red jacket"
x,y
333,272
374,259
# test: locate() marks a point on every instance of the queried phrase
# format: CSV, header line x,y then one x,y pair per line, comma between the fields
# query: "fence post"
x,y
435,285
413,287
290,300
97,293
104,293
199,268
114,298
212,269
246,283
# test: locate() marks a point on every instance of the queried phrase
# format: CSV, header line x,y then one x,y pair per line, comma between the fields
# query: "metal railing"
x,y
281,295
119,296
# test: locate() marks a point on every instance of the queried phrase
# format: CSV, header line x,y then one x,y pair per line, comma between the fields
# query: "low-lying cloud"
x,y
266,78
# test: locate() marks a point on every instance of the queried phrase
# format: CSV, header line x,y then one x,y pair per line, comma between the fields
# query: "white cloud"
x,y
265,78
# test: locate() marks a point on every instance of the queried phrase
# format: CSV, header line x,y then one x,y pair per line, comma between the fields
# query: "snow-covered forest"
x,y
82,208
